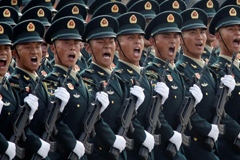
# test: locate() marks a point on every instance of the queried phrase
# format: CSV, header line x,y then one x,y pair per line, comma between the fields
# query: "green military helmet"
x,y
63,3
41,13
130,23
194,18
170,5
24,2
68,27
13,3
160,1
101,27
149,9
47,3
97,3
209,6
6,34
28,31
165,22
9,15
226,16
230,2
114,9
73,9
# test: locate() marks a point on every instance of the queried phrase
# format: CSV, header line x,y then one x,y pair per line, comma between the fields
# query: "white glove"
x,y
238,136
44,149
229,82
162,89
32,101
149,141
138,92
102,97
79,149
197,93
11,150
62,94
176,139
1,105
119,143
214,132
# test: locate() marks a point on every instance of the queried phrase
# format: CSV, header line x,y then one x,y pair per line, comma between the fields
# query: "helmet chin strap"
x,y
57,52
92,52
223,41
185,44
122,50
157,47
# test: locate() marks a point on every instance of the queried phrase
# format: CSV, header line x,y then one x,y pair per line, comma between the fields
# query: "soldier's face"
x,y
132,46
30,55
195,41
5,59
210,37
167,44
231,37
67,50
102,51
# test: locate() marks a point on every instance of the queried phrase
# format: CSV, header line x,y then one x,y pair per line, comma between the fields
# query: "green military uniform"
x,y
188,66
21,79
80,98
161,24
225,142
85,54
149,9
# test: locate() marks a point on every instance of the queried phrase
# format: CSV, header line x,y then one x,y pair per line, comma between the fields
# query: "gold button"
x,y
78,105
239,93
186,62
100,148
112,102
175,97
206,93
8,113
195,139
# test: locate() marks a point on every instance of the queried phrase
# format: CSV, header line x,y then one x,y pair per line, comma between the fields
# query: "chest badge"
x,y
76,95
76,68
174,87
169,77
110,92
204,84
70,86
197,75
27,89
237,84
44,73
6,104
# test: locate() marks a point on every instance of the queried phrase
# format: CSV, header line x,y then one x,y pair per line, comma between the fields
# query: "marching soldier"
x,y
12,3
64,42
193,40
163,32
225,26
210,7
130,45
27,41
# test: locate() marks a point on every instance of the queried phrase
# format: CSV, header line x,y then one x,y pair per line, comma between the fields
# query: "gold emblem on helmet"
x,y
148,6
71,24
114,9
133,19
41,13
30,27
232,12
75,10
209,4
6,13
194,15
14,2
170,18
1,29
104,22
175,5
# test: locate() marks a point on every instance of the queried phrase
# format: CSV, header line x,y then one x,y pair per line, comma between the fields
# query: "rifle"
x,y
219,103
127,112
20,121
92,116
152,115
51,116
187,109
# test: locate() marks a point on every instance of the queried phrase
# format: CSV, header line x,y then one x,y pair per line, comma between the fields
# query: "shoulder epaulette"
x,y
16,76
119,71
157,64
183,65
54,74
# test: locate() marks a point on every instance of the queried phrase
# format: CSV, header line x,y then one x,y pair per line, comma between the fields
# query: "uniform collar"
x,y
116,54
152,50
105,69
73,73
209,48
32,75
1,78
172,66
80,56
200,62
236,62
136,68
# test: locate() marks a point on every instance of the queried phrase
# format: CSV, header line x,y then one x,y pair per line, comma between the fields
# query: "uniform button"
x,y
195,139
175,97
100,148
9,113
239,93
78,105
206,94
112,102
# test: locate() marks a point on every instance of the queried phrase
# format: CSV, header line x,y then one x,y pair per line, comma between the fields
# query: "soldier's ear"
x,y
87,47
52,47
218,36
151,40
14,53
181,39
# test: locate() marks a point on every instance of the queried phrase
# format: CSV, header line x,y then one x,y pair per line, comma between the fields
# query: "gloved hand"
x,y
119,143
32,101
44,149
149,141
1,105
197,94
229,82
11,150
79,149
102,97
214,132
162,89
238,136
138,92
62,94
176,139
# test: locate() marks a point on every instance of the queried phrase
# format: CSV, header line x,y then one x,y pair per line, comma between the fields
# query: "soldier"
x,y
163,32
225,27
130,45
64,42
193,40
27,50
100,34
12,3
210,7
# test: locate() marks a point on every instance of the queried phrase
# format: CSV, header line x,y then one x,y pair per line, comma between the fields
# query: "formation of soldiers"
x,y
111,81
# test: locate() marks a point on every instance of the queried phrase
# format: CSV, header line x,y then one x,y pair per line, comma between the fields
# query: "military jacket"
x,y
81,64
50,54
206,55
144,54
85,54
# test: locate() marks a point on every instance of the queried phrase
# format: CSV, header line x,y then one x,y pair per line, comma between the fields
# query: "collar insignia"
x,y
27,78
129,71
100,73
194,66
